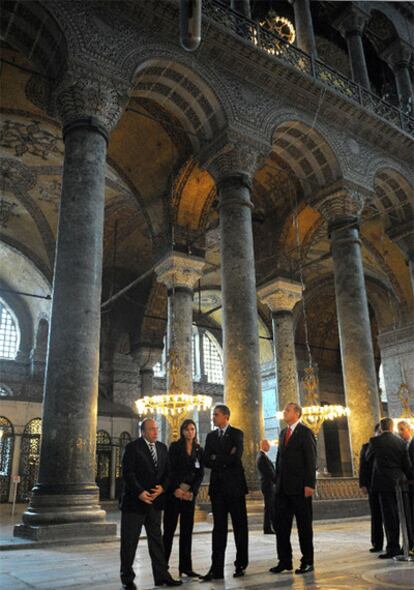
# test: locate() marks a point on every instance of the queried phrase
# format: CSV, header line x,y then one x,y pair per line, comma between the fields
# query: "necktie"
x,y
221,433
153,454
288,435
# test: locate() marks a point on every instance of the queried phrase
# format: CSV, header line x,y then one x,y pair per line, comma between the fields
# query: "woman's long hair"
x,y
183,427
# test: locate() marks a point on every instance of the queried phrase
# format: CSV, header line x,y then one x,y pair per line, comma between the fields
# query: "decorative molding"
x,y
340,201
280,294
179,270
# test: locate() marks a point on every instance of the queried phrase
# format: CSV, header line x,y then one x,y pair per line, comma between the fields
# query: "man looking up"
x,y
295,485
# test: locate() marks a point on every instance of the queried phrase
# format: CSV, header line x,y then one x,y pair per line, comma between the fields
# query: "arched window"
x,y
6,455
213,364
9,333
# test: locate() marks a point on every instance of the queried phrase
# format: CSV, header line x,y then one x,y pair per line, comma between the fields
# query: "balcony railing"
x,y
277,48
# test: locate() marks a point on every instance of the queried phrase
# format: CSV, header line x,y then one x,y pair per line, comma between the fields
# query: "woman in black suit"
x,y
186,475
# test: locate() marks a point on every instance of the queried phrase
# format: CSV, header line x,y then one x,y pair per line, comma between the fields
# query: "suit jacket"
x,y
139,474
411,456
391,461
227,473
296,462
365,468
266,471
185,468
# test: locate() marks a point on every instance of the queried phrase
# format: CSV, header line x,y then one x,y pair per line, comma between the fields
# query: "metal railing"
x,y
277,48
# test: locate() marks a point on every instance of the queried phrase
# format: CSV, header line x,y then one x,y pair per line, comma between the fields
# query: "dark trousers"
x,y
287,507
223,506
377,531
268,496
389,510
131,525
184,509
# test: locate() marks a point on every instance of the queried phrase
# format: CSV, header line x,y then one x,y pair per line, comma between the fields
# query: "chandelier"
x,y
313,414
175,404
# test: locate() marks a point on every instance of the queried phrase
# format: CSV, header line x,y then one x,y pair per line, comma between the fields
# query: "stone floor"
x,y
342,562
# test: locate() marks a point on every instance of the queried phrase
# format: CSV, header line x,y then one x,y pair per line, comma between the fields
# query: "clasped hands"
x,y
182,495
149,497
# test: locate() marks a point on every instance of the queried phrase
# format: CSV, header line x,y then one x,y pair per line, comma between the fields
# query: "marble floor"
x,y
342,562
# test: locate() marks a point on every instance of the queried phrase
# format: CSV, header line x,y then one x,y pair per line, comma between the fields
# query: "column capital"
x,y
397,54
280,294
147,356
233,158
80,99
351,20
403,235
179,270
340,203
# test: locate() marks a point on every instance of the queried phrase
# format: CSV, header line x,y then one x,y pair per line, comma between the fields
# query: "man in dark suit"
x,y
295,485
227,491
391,466
266,471
365,478
145,475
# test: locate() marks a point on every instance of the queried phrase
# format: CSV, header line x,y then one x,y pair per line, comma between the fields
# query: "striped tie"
x,y
153,454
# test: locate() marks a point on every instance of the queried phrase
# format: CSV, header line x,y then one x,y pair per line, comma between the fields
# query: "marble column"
x,y
179,273
146,356
397,357
65,500
403,235
305,37
232,167
398,57
341,206
281,295
350,23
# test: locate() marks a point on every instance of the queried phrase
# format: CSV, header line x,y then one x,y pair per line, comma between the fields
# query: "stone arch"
x,y
307,152
394,195
31,28
188,92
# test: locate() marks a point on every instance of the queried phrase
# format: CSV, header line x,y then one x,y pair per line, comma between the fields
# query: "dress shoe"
x,y
129,586
238,572
189,574
375,549
281,567
389,555
211,576
304,569
168,582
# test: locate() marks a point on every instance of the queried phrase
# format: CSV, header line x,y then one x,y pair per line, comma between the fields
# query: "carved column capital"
x,y
233,158
340,203
351,20
81,99
179,270
397,54
280,294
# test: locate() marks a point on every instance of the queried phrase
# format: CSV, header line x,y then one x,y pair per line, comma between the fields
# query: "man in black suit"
x,y
227,491
145,475
266,471
295,485
391,466
365,478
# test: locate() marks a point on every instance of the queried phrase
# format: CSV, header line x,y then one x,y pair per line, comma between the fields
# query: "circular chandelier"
x,y
313,414
174,406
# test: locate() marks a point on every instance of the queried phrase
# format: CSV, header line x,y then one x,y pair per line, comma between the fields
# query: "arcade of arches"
x,y
243,205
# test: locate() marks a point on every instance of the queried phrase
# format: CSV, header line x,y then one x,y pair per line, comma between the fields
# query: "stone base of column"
x,y
92,531
54,516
